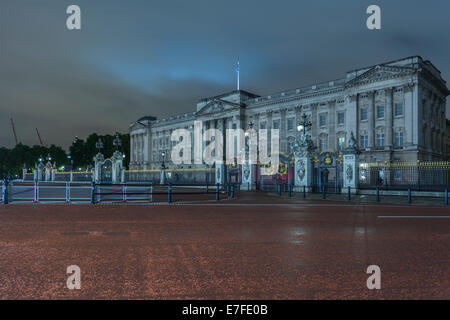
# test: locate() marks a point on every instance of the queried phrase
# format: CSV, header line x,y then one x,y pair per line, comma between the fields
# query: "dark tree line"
x,y
81,153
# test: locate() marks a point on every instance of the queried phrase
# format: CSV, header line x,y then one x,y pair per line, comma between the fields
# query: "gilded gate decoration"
x,y
106,171
328,172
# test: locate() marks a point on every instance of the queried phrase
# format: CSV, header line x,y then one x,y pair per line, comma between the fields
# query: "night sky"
x,y
135,58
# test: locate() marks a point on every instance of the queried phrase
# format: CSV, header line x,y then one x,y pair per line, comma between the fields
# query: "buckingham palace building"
x,y
395,110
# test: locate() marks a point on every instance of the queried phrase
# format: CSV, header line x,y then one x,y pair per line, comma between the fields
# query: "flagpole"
x,y
237,71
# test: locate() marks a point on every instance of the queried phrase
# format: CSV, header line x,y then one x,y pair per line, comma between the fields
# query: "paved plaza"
x,y
259,246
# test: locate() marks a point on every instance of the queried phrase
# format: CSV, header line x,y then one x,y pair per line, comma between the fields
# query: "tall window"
x,y
323,143
340,117
323,119
341,143
363,114
364,141
398,109
399,139
290,124
380,112
276,124
262,125
380,139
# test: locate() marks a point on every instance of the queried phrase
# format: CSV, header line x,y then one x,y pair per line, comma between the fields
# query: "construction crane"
x,y
14,131
39,137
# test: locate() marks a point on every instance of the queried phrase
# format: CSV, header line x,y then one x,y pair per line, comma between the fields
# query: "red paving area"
x,y
258,247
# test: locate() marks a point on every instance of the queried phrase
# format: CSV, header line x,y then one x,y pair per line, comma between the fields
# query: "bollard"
x,y
207,188
217,192
304,192
232,191
92,192
324,194
290,190
446,197
279,189
409,195
349,197
378,194
169,193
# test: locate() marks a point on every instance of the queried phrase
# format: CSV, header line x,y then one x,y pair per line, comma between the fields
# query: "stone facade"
x,y
396,111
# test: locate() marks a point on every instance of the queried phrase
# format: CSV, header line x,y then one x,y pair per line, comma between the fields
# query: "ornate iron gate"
x,y
328,173
284,174
106,171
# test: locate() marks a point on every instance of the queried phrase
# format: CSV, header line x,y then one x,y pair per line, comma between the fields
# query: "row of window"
x,y
398,112
363,141
379,140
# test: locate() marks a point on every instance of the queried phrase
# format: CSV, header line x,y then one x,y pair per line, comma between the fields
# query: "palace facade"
x,y
396,111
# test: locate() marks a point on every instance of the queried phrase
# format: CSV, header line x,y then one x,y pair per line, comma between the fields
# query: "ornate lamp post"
x,y
99,145
163,155
304,125
98,162
117,142
303,154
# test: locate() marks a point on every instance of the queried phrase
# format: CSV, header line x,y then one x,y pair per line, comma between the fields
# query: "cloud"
x,y
159,57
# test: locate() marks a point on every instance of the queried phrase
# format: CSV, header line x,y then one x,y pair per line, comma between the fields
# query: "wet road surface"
x,y
257,247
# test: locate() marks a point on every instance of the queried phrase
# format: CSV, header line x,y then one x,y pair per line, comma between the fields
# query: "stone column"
x,y
389,115
98,162
117,166
132,147
48,172
303,171
303,168
371,120
410,92
247,176
351,166
53,172
220,166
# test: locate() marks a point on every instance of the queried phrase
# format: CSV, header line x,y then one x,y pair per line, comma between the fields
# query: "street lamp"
x,y
117,142
99,145
304,124
163,155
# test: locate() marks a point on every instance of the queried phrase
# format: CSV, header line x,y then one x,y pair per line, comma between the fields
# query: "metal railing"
x,y
46,192
79,192
401,176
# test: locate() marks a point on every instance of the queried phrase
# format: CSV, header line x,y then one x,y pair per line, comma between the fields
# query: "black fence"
x,y
416,176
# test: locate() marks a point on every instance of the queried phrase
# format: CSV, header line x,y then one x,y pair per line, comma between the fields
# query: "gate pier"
x,y
351,166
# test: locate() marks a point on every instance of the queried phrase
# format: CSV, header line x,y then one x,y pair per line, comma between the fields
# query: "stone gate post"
x,y
351,166
98,162
117,167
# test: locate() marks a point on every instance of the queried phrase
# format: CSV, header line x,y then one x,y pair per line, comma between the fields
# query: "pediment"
x,y
217,106
380,73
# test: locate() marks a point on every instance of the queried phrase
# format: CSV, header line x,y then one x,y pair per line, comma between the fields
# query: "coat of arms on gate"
x,y
349,173
246,172
301,169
